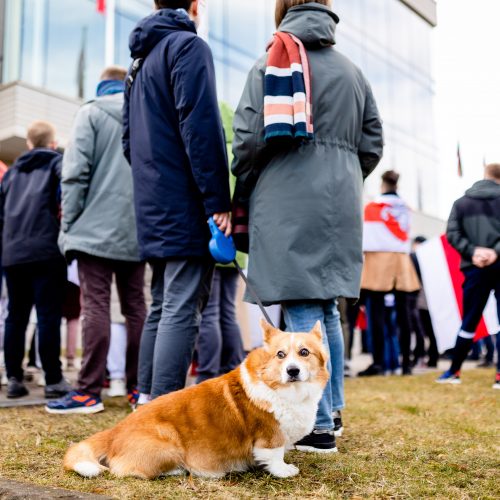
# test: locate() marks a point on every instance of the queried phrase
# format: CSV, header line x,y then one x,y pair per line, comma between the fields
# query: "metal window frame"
x,y
426,9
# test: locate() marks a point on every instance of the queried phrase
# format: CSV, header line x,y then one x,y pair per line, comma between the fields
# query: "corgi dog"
x,y
246,418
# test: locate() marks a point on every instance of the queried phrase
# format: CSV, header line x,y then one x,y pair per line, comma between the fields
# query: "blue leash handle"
x,y
223,251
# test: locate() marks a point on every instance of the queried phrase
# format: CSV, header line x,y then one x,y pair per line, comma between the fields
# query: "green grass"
x,y
405,438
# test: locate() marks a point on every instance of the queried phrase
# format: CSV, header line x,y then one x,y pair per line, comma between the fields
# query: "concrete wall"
x,y
21,104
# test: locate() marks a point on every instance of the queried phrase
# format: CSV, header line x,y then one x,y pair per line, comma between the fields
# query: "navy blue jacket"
x,y
29,208
173,138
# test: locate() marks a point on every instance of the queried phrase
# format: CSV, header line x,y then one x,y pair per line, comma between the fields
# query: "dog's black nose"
x,y
293,371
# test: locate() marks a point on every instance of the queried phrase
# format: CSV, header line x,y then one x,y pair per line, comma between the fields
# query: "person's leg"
x,y
233,352
417,328
48,282
490,350
115,361
187,285
403,320
148,338
130,286
477,288
209,343
72,328
19,288
375,307
352,315
95,281
335,337
432,352
301,317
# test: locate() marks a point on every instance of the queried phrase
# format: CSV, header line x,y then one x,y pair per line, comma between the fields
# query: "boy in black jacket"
x,y
474,230
34,268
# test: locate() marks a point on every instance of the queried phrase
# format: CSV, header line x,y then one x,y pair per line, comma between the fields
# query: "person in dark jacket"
x,y
474,230
35,270
305,219
174,140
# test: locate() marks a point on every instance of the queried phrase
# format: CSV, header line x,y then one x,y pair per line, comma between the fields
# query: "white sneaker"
x,y
117,388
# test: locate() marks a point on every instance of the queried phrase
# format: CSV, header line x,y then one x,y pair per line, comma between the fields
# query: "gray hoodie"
x,y
98,216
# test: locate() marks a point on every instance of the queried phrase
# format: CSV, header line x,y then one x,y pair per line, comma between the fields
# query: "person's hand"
x,y
484,257
223,221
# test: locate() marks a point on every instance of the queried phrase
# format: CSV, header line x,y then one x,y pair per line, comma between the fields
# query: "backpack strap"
x,y
134,69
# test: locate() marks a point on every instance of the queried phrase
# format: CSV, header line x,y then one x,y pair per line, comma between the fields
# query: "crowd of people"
x,y
147,165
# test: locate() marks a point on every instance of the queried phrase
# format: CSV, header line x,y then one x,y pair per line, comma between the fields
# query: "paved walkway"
x,y
14,490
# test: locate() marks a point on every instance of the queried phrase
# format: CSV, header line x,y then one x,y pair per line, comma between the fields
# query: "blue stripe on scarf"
x,y
110,87
284,85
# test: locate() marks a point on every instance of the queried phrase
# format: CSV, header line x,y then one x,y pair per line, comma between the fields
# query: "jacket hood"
x,y
112,105
154,28
36,158
314,24
484,190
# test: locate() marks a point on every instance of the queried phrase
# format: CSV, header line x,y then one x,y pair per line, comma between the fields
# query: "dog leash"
x,y
223,251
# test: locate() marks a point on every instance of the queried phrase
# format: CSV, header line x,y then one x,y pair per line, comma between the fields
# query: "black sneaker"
x,y
485,364
55,391
16,389
371,371
338,428
318,442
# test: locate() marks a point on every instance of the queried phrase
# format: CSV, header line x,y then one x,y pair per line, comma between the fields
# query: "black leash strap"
x,y
253,293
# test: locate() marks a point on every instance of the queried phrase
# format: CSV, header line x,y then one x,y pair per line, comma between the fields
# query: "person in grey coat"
x,y
305,210
99,230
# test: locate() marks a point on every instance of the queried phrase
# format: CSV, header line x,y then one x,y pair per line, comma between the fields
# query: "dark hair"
x,y
174,4
282,7
419,239
391,178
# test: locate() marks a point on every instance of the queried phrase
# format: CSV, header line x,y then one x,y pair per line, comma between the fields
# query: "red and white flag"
x,y
101,6
442,281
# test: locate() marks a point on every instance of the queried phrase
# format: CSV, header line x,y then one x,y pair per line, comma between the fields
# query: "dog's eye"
x,y
304,353
281,354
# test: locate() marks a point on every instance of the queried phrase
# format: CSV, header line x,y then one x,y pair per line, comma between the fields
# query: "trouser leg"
x,y
477,288
403,320
232,344
117,353
335,337
429,332
301,317
21,298
187,285
375,310
150,330
209,344
48,283
130,286
95,281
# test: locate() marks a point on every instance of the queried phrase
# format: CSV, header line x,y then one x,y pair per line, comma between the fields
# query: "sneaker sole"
x,y
312,449
496,386
450,381
83,410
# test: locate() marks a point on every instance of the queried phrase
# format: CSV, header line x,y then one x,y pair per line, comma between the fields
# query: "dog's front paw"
x,y
284,470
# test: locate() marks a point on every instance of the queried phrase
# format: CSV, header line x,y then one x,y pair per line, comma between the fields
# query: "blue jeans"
x,y
220,348
301,317
180,290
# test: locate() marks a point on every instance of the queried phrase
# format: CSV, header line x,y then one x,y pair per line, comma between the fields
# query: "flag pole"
x,y
110,33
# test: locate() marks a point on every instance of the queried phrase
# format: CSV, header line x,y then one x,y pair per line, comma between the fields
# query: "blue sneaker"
x,y
75,402
449,378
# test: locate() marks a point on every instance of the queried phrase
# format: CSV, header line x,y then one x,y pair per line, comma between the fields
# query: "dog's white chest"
x,y
295,409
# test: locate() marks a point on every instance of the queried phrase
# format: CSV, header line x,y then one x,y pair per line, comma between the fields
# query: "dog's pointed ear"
x,y
317,331
268,330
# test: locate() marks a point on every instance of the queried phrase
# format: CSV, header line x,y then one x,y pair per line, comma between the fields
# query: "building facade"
x,y
52,52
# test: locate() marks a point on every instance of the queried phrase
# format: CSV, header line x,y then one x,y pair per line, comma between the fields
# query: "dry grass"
x,y
405,438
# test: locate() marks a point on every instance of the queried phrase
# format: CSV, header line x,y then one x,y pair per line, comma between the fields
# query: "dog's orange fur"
x,y
208,429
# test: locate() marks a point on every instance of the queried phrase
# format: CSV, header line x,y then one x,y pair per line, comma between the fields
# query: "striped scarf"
x,y
287,89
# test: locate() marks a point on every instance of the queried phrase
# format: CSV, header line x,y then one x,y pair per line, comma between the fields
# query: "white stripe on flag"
x,y
440,294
